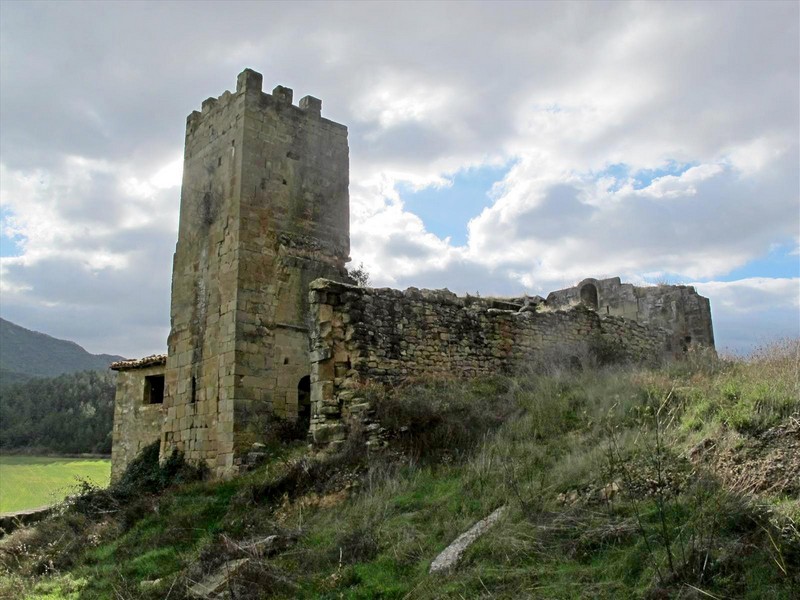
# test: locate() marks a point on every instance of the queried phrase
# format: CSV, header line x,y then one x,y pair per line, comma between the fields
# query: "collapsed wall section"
x,y
388,336
677,308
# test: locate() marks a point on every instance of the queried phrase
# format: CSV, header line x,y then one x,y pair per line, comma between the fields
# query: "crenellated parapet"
x,y
264,211
249,84
264,322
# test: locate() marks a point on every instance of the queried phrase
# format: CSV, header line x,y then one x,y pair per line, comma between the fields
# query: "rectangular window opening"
x,y
154,389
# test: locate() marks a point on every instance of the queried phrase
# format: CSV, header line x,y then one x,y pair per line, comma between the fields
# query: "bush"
x,y
145,475
434,419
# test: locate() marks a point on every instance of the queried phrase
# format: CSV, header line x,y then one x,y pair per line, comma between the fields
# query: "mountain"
x,y
25,354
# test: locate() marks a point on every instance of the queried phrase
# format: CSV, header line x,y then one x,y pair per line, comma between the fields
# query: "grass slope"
x,y
618,483
33,481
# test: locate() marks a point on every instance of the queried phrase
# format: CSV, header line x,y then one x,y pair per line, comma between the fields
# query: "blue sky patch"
x,y
645,177
447,210
779,263
642,178
9,245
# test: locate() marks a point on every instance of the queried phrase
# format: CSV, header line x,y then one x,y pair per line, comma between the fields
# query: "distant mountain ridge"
x,y
25,353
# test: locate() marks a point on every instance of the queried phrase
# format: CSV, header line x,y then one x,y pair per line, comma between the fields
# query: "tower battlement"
x,y
249,83
263,322
264,211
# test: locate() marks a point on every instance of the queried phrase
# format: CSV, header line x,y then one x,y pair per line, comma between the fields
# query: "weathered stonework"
x,y
137,419
387,336
678,308
264,213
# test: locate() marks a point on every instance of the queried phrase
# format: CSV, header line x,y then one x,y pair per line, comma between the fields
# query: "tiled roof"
x,y
139,363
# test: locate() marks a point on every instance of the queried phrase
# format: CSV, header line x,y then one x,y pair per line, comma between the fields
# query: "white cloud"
x,y
93,126
751,312
753,294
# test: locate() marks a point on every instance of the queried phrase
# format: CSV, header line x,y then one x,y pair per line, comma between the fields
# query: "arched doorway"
x,y
304,402
589,296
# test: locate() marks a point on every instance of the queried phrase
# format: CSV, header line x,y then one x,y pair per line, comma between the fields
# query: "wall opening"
x,y
589,296
154,389
194,390
304,402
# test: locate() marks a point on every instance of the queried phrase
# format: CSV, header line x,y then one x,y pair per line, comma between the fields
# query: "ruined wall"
x,y
137,422
678,308
387,336
264,211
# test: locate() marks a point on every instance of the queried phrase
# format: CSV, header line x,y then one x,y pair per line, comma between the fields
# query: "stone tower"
x,y
264,211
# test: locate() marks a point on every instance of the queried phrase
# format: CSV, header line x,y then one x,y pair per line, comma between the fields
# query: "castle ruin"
x,y
265,320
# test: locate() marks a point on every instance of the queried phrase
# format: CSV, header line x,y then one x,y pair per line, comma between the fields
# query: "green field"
x,y
33,481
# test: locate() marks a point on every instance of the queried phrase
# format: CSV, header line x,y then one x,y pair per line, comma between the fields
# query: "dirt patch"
x,y
765,463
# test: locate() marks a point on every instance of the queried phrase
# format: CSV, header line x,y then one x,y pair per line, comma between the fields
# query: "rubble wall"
x,y
677,308
388,336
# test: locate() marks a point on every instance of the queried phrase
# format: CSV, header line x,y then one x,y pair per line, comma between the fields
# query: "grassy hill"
x,y
679,482
29,353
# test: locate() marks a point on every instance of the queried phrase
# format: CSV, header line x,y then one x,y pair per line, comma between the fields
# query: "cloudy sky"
x,y
495,148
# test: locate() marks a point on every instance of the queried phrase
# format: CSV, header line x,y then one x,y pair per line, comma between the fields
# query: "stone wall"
x,y
264,211
678,308
137,423
387,336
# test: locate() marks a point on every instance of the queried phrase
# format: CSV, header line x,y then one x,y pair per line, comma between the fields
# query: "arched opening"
x,y
304,402
589,296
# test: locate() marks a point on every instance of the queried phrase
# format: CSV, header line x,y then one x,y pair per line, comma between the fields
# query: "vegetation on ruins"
x,y
620,482
360,275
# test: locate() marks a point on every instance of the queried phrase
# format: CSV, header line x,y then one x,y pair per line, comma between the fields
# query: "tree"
x,y
360,274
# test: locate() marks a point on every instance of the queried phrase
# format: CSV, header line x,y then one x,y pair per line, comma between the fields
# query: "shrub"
x,y
433,419
144,475
279,431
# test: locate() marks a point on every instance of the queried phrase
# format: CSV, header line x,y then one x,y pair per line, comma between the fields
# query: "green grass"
x,y
33,481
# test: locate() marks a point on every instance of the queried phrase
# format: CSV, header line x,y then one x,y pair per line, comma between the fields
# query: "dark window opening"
x,y
304,402
286,361
154,389
194,390
687,341
589,296
219,161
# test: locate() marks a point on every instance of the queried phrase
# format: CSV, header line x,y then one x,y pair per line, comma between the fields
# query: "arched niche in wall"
x,y
589,295
304,402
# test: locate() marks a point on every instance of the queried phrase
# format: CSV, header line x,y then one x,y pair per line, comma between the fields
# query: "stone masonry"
x,y
264,212
678,308
138,413
387,336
